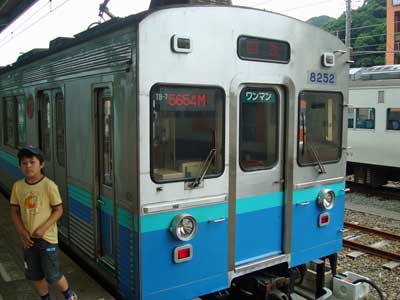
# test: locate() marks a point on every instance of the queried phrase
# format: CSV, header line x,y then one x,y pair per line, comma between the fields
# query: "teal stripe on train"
x,y
82,196
9,158
107,206
202,214
124,218
311,193
261,202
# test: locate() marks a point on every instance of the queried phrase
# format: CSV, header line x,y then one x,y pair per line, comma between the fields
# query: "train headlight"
x,y
326,199
183,227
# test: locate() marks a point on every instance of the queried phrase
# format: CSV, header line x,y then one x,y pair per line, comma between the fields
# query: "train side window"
x,y
46,125
393,119
60,128
9,117
21,122
365,118
187,131
350,118
259,128
319,127
106,135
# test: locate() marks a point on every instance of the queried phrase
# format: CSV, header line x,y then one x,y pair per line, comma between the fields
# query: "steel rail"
x,y
370,250
386,235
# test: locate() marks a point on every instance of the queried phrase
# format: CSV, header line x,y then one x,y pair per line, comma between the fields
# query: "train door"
x,y
105,177
259,205
52,143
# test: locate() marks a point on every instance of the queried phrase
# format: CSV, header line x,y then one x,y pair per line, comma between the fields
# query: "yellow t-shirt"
x,y
36,202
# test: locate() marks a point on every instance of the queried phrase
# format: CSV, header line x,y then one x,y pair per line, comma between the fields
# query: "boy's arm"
x,y
57,212
16,219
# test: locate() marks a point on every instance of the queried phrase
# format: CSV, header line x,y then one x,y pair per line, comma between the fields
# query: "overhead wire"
x,y
34,23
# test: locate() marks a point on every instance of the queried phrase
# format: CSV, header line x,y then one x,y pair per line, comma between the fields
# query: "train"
x,y
199,149
374,125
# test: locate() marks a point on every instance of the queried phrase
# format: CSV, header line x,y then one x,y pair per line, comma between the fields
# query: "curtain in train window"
x,y
320,127
259,128
9,115
393,119
21,122
365,118
187,131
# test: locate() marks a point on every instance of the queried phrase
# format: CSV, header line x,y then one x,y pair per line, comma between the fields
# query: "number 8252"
x,y
321,77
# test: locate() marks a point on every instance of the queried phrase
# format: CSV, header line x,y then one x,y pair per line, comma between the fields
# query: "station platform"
x,y
14,286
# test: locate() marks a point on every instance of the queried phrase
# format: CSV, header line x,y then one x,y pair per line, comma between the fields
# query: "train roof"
x,y
375,73
61,43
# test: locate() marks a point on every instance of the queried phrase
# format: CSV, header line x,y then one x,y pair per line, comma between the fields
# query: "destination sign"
x,y
250,48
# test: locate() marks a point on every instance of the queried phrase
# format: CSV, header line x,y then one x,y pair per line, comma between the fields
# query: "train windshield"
x,y
319,130
187,125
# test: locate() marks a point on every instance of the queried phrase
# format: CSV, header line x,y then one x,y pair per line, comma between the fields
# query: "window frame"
x,y
20,100
355,118
223,141
387,120
340,122
278,126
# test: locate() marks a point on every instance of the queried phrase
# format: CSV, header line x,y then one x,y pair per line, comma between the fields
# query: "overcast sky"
x,y
47,20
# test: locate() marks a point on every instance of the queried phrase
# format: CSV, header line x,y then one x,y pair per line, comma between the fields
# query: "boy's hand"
x,y
38,233
26,240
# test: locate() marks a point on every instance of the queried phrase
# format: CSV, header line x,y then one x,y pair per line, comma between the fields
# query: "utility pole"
x,y
348,24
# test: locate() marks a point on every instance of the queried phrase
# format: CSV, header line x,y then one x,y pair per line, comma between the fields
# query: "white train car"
x,y
374,125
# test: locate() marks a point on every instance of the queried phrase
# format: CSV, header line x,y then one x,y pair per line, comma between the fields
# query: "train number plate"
x,y
316,77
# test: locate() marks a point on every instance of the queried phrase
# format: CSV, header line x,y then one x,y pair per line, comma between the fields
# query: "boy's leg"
x,y
42,287
33,270
51,269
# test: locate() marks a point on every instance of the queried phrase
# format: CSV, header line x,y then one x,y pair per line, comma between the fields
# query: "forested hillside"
x,y
368,32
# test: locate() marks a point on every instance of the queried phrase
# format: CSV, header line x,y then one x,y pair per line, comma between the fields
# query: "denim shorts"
x,y
42,262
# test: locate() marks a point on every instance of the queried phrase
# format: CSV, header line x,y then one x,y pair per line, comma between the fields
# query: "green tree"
x,y
368,34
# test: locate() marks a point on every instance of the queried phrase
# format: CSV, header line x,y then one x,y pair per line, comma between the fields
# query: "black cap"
x,y
29,150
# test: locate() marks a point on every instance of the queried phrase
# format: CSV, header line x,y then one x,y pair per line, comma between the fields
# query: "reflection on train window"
x,y
319,127
46,125
393,119
365,118
350,118
106,132
259,128
21,122
187,132
9,115
60,128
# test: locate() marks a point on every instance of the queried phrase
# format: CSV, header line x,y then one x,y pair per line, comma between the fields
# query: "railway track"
x,y
368,249
384,192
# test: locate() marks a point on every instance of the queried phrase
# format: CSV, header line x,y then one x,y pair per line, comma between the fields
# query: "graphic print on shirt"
x,y
32,203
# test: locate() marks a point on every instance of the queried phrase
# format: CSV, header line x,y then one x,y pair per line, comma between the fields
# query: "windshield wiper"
x,y
310,144
204,168
320,165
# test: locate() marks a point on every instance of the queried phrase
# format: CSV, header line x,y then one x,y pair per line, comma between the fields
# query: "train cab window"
x,y
187,132
365,118
319,128
259,128
9,117
21,122
393,119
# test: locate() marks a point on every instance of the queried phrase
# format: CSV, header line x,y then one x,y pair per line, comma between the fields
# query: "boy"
x,y
35,209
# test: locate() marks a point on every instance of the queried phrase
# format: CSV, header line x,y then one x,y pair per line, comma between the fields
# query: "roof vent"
x,y
31,54
59,42
160,3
